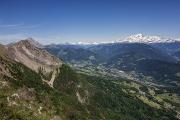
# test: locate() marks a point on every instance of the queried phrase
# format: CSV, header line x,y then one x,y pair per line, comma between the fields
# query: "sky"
x,y
61,21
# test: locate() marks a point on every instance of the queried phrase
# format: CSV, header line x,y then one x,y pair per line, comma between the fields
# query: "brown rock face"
x,y
32,56
3,61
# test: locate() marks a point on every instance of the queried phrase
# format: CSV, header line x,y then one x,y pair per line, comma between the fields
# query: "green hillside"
x,y
24,96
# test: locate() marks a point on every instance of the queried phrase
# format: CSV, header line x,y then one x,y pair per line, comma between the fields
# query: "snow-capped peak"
x,y
140,38
137,38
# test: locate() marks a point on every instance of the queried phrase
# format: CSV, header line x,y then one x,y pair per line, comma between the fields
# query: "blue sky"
x,y
60,21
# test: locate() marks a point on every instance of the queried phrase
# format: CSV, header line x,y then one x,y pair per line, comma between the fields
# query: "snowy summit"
x,y
140,38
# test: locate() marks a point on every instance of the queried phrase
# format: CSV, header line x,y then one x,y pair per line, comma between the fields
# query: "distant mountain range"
x,y
147,55
137,38
167,45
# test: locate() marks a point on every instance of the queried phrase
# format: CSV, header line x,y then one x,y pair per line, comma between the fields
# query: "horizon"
x,y
87,20
127,39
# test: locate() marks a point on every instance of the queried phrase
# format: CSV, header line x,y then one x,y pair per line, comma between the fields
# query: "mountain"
x,y
27,52
177,55
171,48
141,58
73,53
140,50
140,38
3,59
146,60
136,38
24,95
102,52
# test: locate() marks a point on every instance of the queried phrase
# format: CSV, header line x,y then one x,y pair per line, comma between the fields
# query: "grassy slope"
x,y
102,99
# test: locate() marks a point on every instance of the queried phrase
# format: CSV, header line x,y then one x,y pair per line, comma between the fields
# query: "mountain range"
x,y
109,81
137,38
160,60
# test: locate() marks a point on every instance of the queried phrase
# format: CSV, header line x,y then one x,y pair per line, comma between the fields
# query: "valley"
x,y
136,82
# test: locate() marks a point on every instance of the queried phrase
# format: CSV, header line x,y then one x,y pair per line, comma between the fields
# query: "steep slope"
x,y
74,97
33,57
3,60
28,53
